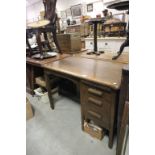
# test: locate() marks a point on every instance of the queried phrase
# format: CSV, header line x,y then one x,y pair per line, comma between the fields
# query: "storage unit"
x,y
73,29
69,43
109,44
99,105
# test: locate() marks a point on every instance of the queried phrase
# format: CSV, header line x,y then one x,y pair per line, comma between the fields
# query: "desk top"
x,y
101,72
107,56
37,62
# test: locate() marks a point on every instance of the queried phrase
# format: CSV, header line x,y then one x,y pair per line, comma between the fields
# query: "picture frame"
x,y
90,7
68,12
76,10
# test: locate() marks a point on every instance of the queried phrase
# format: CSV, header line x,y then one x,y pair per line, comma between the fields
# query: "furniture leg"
x,y
47,41
111,138
82,121
55,39
95,37
28,44
39,43
48,86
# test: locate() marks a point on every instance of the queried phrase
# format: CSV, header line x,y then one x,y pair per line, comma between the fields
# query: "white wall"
x,y
33,10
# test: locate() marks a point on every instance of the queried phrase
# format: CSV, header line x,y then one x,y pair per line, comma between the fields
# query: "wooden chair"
x,y
48,24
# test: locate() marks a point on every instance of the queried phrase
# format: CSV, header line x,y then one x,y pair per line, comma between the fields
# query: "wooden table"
x,y
107,56
99,84
34,68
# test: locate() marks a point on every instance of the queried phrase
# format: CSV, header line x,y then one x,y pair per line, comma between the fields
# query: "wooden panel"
x,y
69,43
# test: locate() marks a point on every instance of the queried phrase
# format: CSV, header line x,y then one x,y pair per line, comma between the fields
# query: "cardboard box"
x,y
93,130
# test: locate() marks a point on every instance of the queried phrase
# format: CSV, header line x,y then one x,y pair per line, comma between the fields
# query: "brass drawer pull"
x,y
98,116
94,101
95,92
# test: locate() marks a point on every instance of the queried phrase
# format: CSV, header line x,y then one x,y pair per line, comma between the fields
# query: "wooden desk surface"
x,y
101,72
107,56
37,62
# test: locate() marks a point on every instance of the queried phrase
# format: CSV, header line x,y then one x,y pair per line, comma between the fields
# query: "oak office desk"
x,y
34,68
107,56
99,84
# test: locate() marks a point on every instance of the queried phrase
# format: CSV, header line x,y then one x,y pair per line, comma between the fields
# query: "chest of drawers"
x,y
69,43
99,105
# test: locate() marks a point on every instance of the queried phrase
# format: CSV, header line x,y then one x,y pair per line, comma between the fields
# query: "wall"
x,y
33,10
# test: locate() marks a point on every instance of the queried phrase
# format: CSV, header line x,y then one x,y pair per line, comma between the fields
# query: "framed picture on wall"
x,y
68,12
90,7
76,10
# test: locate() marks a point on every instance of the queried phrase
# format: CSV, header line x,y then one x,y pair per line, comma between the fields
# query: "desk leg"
x,y
82,121
111,138
48,86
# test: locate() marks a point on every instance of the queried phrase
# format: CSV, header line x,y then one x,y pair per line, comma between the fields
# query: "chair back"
x,y
50,7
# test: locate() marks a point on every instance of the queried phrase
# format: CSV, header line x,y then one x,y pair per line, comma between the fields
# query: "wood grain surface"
x,y
39,63
107,56
101,72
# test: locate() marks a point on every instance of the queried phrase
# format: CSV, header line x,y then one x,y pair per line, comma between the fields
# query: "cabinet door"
x,y
89,44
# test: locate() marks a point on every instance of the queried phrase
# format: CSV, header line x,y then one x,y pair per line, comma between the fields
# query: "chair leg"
x,y
111,137
56,40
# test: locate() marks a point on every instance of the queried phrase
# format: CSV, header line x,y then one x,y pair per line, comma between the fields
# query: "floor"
x,y
58,132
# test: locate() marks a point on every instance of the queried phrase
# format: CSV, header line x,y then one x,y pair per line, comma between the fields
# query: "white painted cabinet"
x,y
108,44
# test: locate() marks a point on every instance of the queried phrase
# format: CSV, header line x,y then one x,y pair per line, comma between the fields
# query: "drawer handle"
x,y
95,92
94,101
98,116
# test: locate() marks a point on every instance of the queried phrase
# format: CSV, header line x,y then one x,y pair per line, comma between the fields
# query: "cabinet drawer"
x,y
97,117
94,101
96,93
100,107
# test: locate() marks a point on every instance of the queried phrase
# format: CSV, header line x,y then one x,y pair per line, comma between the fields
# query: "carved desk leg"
x,y
48,86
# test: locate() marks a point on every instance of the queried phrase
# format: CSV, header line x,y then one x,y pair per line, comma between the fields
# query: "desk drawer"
x,y
95,95
97,117
97,103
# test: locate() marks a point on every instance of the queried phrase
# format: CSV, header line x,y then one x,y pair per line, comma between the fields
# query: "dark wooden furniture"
x,y
48,24
95,22
107,56
123,109
38,31
124,131
114,29
99,84
121,5
34,68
